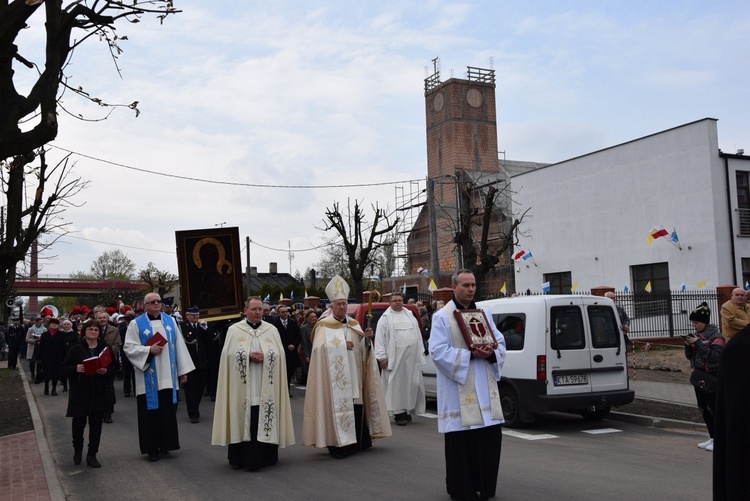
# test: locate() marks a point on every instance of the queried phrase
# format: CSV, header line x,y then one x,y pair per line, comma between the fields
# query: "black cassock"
x,y
732,421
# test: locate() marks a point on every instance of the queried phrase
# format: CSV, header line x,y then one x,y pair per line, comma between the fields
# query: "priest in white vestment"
x,y
400,352
469,411
252,415
344,401
159,370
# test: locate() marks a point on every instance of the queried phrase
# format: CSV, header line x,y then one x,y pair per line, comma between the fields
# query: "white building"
x,y
591,215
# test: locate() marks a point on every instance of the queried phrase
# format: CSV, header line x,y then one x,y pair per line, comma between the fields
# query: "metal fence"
x,y
665,313
659,314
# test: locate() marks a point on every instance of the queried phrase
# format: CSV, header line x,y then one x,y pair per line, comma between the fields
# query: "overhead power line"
x,y
232,183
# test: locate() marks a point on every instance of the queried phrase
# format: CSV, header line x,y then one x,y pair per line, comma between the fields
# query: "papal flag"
x,y
648,286
701,284
432,287
504,289
281,296
305,293
574,287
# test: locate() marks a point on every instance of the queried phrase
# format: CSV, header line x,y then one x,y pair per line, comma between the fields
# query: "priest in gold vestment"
x,y
344,402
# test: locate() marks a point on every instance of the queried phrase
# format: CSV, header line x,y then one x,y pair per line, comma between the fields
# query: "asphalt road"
x,y
562,457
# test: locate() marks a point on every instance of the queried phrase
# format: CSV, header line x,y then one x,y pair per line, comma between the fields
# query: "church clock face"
x,y
474,98
438,101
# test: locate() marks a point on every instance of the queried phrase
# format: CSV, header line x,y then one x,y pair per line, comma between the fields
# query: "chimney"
x,y
273,268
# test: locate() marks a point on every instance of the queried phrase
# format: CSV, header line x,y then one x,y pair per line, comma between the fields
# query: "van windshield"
x,y
604,332
567,328
513,328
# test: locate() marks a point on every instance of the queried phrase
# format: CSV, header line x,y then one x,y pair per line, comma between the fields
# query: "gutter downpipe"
x,y
731,217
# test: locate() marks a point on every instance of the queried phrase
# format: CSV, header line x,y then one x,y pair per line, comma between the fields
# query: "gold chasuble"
x,y
242,384
337,380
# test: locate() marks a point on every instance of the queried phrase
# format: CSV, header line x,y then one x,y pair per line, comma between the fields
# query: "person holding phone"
x,y
703,348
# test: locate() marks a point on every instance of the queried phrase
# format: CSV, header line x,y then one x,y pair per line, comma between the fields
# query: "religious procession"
x,y
360,378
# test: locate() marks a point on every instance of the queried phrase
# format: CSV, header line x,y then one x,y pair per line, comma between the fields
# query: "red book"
x,y
156,339
102,361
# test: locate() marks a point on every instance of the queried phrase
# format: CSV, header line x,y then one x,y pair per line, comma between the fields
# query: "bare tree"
x,y
485,230
359,241
29,216
30,121
156,280
38,110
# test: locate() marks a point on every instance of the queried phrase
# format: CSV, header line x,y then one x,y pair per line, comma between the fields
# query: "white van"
x,y
565,353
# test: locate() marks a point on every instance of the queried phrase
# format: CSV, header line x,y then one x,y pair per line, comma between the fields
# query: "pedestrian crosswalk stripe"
x,y
527,436
601,431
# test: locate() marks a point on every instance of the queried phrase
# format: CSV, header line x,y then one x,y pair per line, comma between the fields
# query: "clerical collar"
x,y
344,321
459,306
154,317
253,325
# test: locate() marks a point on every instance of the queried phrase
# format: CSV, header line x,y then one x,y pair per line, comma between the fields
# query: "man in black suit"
x,y
196,338
290,338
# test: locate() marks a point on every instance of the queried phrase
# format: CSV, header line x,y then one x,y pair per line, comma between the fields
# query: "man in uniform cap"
x,y
343,377
167,306
196,340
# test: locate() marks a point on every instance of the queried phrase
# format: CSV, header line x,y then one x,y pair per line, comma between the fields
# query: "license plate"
x,y
571,379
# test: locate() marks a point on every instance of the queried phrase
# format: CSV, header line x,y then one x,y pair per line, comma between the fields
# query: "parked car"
x,y
564,353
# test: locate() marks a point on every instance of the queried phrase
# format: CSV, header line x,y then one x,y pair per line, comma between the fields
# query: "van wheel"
x,y
596,415
511,407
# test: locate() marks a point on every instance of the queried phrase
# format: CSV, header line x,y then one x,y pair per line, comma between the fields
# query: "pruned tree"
x,y
30,121
485,230
156,280
358,240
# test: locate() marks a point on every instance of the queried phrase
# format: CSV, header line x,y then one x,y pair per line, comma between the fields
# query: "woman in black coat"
x,y
87,399
52,350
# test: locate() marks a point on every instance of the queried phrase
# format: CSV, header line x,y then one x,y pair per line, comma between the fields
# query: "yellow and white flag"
x,y
503,289
432,287
648,286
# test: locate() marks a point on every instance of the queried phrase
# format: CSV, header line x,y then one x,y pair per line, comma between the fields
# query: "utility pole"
x,y
434,258
247,270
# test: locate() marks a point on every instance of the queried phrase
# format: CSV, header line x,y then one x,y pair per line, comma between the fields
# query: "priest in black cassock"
x,y
732,421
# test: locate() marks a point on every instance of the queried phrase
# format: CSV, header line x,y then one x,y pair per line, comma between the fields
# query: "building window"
x,y
743,201
745,271
655,276
559,283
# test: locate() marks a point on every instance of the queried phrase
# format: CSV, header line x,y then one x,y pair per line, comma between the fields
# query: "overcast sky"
x,y
331,93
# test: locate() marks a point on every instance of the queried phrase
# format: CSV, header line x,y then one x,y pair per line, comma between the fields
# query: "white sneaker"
x,y
710,447
705,444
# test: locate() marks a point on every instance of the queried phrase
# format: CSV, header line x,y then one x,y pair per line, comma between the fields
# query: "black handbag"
x,y
703,380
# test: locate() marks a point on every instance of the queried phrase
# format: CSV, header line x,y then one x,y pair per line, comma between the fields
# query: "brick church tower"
x,y
461,128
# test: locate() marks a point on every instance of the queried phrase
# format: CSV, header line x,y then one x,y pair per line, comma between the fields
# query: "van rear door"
x,y
608,371
567,347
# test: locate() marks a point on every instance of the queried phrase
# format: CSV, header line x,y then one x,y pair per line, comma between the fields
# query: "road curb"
x,y
56,492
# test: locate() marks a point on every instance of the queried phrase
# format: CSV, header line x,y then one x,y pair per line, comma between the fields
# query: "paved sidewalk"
x,y
29,473
27,470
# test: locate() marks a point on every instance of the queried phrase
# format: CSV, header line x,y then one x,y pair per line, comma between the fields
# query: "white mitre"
x,y
337,288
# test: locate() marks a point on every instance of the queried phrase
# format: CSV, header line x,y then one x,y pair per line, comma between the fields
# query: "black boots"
x,y
92,462
77,457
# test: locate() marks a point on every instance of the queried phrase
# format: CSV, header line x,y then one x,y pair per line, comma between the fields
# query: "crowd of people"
x,y
357,380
